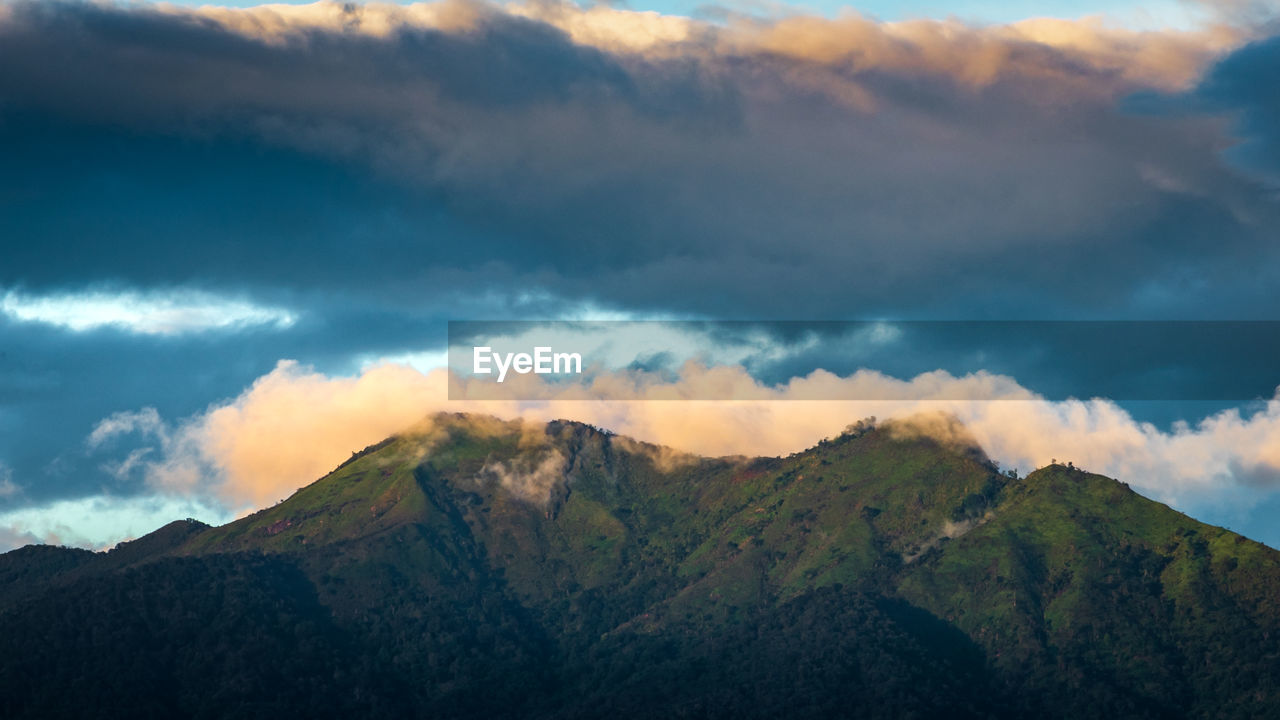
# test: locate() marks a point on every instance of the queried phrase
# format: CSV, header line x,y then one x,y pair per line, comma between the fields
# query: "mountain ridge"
x,y
576,551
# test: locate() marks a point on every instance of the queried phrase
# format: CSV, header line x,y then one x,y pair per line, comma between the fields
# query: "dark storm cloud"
x,y
718,176
1244,86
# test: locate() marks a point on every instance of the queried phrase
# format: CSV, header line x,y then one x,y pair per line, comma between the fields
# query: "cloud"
x,y
153,313
8,488
98,522
1240,88
294,425
531,477
1086,55
10,539
976,54
146,422
404,155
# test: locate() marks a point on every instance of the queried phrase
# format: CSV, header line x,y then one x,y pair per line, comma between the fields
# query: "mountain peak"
x,y
568,546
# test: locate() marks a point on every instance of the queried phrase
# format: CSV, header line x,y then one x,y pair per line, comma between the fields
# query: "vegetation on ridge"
x,y
480,568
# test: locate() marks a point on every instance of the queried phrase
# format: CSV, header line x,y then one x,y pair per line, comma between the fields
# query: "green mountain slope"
x,y
479,568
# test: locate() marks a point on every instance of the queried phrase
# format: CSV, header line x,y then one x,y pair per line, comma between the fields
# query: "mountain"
x,y
481,568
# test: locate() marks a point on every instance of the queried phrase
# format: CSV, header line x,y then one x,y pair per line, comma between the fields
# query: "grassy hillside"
x,y
485,568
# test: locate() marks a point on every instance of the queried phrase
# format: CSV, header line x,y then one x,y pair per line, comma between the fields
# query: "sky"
x,y
232,238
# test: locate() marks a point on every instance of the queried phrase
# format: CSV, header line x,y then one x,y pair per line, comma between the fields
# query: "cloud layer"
x,y
294,425
637,161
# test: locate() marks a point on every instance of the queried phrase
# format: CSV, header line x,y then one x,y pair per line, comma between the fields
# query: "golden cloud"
x,y
293,425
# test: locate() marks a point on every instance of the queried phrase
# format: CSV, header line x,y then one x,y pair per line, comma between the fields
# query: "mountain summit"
x,y
481,568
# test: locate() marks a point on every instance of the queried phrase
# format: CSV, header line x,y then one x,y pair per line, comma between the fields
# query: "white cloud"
x,y
101,521
153,313
146,422
424,362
